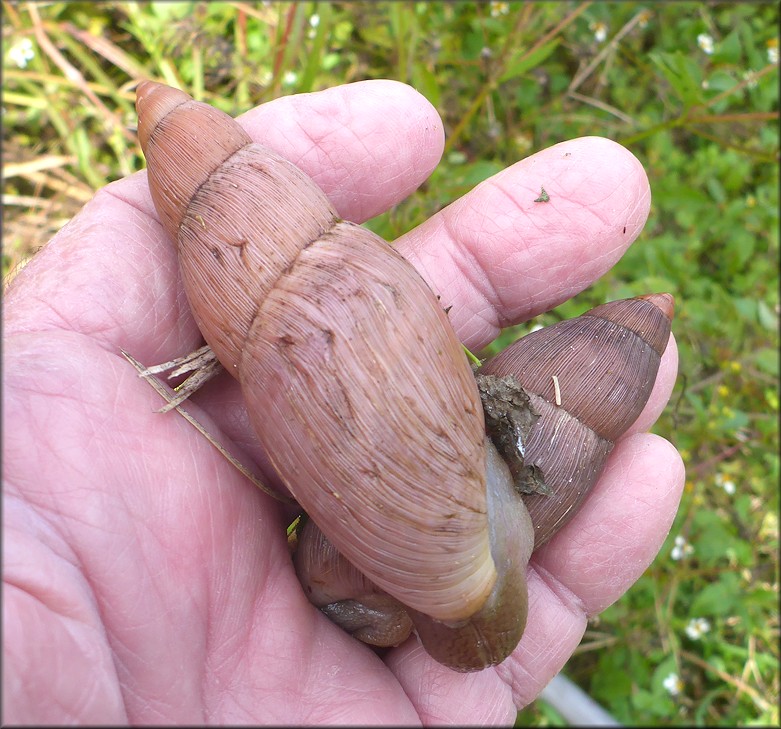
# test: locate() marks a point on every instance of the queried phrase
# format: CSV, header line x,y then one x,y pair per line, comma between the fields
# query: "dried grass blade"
x,y
168,395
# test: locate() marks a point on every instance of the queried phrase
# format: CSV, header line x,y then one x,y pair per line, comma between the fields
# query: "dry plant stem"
x,y
490,85
614,41
164,392
596,644
203,365
739,684
35,165
108,50
690,116
752,78
601,105
73,74
60,181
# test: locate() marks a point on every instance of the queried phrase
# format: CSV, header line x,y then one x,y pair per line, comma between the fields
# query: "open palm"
x,y
146,581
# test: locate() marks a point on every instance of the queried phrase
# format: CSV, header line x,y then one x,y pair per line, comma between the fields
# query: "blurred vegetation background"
x,y
690,88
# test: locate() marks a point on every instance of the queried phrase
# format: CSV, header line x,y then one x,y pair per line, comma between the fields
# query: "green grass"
x,y
510,79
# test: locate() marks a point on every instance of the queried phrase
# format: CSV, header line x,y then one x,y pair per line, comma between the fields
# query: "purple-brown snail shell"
x,y
589,378
310,313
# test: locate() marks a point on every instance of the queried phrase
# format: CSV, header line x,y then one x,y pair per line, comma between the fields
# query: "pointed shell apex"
x,y
153,102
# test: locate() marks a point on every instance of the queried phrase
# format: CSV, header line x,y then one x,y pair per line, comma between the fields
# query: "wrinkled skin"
x,y
146,581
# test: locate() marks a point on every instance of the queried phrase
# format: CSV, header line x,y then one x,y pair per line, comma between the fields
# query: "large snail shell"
x,y
604,364
362,397
356,384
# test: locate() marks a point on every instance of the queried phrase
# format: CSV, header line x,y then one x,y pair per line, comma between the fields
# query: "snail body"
x,y
362,397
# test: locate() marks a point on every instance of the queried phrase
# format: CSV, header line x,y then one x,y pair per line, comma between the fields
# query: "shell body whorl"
x,y
356,384
484,639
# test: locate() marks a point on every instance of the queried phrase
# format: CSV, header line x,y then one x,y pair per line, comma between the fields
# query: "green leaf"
x,y
169,11
427,82
767,318
720,598
729,50
523,63
720,81
767,361
682,73
714,538
612,681
377,35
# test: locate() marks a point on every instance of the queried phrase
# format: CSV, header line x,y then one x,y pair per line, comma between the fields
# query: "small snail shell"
x,y
356,385
345,594
600,367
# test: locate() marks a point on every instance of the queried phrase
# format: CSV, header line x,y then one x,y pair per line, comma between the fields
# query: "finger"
x,y
498,257
621,526
554,627
367,145
601,552
111,274
443,697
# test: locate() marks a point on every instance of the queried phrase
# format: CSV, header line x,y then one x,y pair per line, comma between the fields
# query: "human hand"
x,y
146,581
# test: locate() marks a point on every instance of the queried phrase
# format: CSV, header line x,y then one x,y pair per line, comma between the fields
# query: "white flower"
x,y
705,42
726,483
289,78
681,549
772,50
314,21
22,53
751,78
600,30
498,9
697,627
673,684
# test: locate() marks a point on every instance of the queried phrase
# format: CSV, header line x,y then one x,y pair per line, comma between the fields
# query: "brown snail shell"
x,y
484,639
606,363
356,384
310,313
601,368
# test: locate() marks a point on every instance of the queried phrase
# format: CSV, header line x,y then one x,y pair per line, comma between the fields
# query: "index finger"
x,y
503,253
